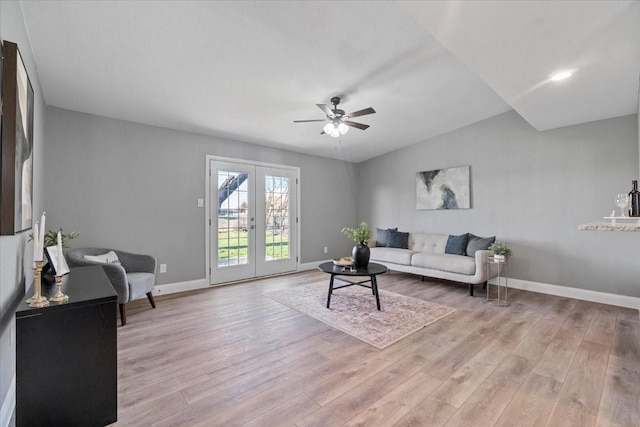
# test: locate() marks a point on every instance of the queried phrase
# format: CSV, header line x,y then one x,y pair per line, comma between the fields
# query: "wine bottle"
x,y
634,200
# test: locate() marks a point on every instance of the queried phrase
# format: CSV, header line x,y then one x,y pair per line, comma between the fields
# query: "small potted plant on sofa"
x,y
360,251
500,250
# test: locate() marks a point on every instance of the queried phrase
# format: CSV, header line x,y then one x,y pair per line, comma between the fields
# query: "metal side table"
x,y
502,282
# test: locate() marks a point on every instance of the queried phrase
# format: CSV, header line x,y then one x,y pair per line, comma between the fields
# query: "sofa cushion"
x,y
423,242
457,245
478,244
416,241
444,262
397,239
396,256
382,236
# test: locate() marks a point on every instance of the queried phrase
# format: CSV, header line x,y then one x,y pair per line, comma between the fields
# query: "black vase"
x,y
361,254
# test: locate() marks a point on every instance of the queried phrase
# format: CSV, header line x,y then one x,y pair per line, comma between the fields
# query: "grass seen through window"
x,y
233,244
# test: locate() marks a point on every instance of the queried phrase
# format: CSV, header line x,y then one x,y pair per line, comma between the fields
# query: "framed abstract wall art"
x,y
16,145
443,189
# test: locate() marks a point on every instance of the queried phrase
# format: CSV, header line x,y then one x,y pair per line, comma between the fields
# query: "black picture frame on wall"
x,y
16,146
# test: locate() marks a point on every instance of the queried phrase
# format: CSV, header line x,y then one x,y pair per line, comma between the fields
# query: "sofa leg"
x,y
123,315
470,289
423,278
484,285
150,296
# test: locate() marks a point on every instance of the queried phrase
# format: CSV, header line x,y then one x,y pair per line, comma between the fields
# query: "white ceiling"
x,y
246,70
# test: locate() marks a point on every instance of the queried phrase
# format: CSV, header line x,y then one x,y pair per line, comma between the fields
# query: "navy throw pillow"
x,y
382,236
397,239
478,244
457,245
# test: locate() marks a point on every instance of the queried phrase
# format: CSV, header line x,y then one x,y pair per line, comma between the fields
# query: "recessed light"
x,y
561,75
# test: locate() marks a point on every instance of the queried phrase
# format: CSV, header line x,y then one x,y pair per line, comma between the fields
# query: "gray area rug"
x,y
353,311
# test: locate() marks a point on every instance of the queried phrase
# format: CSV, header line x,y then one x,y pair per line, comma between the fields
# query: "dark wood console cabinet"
x,y
66,355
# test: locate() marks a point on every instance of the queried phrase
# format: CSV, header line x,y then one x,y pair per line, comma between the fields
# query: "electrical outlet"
x,y
163,268
326,249
200,203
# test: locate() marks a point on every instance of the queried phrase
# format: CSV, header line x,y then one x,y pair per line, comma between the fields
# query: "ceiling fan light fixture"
x,y
561,75
335,128
342,128
328,128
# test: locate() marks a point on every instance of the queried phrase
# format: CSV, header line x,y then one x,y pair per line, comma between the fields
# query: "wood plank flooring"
x,y
229,356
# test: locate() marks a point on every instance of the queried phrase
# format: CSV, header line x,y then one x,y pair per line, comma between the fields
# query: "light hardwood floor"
x,y
230,356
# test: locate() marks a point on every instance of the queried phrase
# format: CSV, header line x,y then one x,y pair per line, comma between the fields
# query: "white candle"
x,y
36,239
43,230
60,256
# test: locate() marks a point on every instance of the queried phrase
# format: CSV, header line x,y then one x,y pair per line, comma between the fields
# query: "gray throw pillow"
x,y
382,236
478,244
397,239
457,245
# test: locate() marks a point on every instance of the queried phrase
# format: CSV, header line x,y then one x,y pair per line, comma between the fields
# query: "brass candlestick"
x,y
37,300
59,297
36,272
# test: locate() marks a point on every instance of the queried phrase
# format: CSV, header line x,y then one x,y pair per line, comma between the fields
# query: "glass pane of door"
x,y
233,208
232,204
277,225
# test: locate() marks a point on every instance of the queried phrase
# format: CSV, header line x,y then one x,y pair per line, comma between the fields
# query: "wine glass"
x,y
622,201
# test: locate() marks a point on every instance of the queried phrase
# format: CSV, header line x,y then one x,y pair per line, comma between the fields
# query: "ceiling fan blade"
x,y
306,121
355,125
361,112
325,108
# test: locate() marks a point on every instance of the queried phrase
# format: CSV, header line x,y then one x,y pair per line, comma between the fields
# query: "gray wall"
x,y
134,187
15,253
529,188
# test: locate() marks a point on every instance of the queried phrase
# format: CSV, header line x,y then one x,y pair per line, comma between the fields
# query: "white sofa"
x,y
426,257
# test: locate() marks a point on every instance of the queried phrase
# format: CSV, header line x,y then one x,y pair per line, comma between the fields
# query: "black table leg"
x,y
330,291
374,285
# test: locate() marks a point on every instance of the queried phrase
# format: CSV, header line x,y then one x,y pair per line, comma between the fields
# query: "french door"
x,y
253,221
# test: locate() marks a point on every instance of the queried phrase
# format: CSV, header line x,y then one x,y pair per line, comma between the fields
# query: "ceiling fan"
x,y
338,123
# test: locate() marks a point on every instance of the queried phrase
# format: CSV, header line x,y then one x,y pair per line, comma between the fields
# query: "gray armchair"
x,y
133,277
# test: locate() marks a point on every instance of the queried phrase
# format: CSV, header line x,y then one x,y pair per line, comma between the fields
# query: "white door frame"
x,y
207,203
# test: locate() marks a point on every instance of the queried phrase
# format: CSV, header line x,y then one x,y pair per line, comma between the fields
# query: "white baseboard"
x,y
576,293
310,265
8,404
525,285
172,288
